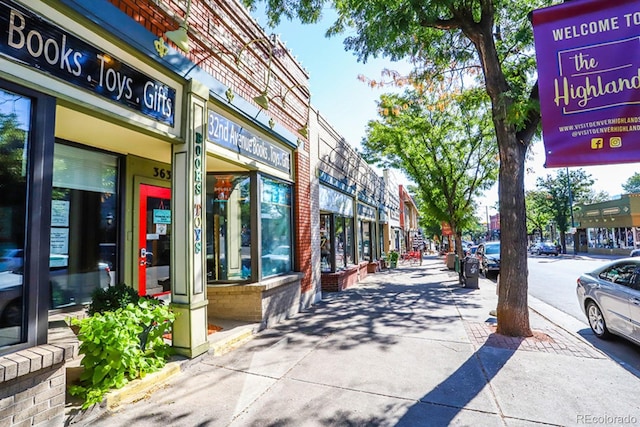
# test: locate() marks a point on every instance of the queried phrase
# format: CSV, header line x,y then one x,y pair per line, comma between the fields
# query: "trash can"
x,y
471,272
451,261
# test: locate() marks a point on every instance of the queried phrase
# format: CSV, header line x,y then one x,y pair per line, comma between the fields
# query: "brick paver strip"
x,y
551,340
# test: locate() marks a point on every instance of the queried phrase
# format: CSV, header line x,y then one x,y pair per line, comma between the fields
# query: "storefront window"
x,y
84,225
15,115
364,244
325,243
228,227
344,235
276,225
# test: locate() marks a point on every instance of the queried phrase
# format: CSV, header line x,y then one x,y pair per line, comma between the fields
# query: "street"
x,y
553,281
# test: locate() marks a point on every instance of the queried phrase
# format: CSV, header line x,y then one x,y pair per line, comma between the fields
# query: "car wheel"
x,y
596,321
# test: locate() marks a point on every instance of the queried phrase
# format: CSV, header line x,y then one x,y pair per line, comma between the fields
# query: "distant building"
x,y
611,227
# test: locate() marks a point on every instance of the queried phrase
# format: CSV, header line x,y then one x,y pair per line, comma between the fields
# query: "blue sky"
x,y
348,104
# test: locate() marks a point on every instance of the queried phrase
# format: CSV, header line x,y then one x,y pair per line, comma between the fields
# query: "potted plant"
x,y
393,259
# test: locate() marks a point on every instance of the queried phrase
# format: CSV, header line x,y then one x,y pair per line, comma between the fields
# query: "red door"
x,y
154,240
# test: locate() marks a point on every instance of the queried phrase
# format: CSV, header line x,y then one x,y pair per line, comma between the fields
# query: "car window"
x,y
621,274
492,249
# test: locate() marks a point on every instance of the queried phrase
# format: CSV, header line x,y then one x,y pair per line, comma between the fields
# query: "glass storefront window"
x,y
84,224
349,247
325,243
344,241
15,117
228,227
364,244
276,225
337,247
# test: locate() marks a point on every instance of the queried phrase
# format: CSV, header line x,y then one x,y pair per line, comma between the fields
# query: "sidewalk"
x,y
408,347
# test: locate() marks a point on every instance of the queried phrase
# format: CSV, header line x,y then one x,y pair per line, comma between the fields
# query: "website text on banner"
x,y
588,55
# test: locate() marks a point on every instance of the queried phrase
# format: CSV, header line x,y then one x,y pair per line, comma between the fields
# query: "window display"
x,y
276,225
228,227
84,224
15,115
230,241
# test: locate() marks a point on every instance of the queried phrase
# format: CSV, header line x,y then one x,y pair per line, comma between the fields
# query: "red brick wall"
x,y
220,32
341,280
302,214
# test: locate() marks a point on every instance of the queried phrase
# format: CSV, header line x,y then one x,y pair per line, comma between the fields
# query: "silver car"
x,y
610,298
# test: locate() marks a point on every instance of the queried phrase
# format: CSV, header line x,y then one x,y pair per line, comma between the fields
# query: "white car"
x,y
610,298
277,261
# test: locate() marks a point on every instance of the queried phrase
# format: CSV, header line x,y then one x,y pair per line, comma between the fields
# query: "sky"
x,y
349,104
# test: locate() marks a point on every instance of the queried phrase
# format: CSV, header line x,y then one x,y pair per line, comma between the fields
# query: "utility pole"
x,y
575,244
488,224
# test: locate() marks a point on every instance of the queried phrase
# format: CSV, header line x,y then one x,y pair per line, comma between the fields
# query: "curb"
x,y
138,388
231,342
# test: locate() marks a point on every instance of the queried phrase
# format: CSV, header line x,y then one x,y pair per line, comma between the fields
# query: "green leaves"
x,y
444,143
121,345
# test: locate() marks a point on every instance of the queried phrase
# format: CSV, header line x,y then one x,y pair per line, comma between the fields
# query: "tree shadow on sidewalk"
x,y
468,388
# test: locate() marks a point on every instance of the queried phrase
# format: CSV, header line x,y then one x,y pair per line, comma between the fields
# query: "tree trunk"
x,y
513,308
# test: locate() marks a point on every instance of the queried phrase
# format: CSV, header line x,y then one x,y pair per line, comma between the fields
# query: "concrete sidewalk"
x,y
407,347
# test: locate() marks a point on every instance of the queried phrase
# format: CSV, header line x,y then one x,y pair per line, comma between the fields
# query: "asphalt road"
x,y
553,280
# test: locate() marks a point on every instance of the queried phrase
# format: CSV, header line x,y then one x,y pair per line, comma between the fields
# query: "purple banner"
x,y
588,54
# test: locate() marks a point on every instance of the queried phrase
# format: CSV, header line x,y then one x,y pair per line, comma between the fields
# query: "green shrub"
x,y
112,298
121,345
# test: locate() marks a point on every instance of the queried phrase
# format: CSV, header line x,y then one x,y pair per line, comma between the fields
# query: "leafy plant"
x,y
112,298
393,256
121,345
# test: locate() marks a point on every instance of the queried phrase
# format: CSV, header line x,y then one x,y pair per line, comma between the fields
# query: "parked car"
x,y
610,298
489,254
635,252
11,259
277,261
547,248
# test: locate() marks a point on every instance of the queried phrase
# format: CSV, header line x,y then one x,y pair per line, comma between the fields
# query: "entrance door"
x,y
154,241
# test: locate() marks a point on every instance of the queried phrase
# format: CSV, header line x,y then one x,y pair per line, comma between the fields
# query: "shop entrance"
x,y
154,241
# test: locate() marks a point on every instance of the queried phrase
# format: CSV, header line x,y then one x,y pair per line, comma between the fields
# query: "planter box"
x,y
372,267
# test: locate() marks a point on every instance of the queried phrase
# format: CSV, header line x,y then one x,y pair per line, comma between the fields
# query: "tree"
x,y
491,37
449,160
632,185
538,215
561,193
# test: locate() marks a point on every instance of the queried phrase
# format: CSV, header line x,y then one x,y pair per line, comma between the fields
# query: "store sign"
x,y
35,42
161,216
228,134
334,201
588,55
340,184
366,212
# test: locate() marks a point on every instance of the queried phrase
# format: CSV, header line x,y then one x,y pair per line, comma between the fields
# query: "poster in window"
x,y
59,246
60,213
